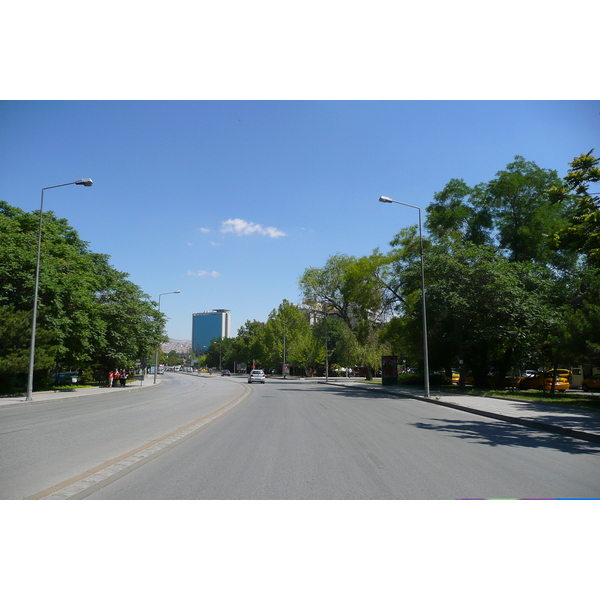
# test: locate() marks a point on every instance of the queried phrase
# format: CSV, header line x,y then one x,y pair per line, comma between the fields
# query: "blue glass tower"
x,y
207,326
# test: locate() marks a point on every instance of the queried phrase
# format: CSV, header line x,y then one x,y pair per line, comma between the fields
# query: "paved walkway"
x,y
78,392
578,422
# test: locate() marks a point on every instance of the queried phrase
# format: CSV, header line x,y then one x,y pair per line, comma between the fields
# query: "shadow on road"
x,y
499,433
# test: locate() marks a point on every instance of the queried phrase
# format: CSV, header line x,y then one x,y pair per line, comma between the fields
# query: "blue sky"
x,y
229,201
167,176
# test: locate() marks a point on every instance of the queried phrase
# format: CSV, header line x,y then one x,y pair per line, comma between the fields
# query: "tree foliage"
x,y
512,276
582,232
350,289
90,316
499,290
512,213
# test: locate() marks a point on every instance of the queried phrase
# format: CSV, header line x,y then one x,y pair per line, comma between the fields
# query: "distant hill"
x,y
180,346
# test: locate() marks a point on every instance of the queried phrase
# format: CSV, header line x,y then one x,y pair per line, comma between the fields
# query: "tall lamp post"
x,y
156,355
86,183
326,351
425,351
326,315
284,331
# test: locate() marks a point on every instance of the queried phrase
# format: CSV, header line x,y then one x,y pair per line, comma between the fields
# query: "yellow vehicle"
x,y
509,381
592,383
543,381
564,373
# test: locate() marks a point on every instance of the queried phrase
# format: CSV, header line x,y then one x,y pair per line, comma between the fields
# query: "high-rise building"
x,y
207,326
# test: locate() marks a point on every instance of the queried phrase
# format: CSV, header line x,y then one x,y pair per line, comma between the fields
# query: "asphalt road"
x,y
44,444
281,440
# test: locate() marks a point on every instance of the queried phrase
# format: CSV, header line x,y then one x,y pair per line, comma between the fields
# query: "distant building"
x,y
207,326
182,347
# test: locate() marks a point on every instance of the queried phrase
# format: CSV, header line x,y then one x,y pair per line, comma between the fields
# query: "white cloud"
x,y
204,229
201,273
241,227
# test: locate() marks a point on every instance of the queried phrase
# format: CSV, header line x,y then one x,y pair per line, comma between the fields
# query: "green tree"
x,y
400,275
173,358
15,332
582,232
306,351
580,321
90,316
483,307
342,345
512,212
330,286
521,213
351,289
300,348
459,213
247,346
579,334
219,353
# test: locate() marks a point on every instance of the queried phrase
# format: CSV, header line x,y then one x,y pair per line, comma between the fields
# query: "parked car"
x,y
256,375
592,383
564,373
543,381
225,372
66,378
509,381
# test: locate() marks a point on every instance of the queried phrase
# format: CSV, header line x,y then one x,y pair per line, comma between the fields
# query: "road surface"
x,y
219,438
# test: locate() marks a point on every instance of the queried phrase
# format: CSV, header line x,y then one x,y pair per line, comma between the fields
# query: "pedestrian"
x,y
122,378
110,379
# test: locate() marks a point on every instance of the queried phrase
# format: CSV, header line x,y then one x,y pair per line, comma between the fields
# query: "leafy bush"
x,y
417,379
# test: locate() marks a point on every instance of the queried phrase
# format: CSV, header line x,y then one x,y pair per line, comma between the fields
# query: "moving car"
x,y
256,375
225,372
592,383
543,381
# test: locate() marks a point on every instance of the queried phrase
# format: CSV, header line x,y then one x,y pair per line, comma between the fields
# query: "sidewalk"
x,y
77,392
577,422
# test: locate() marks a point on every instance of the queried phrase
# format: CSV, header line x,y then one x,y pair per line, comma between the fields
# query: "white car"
x,y
256,375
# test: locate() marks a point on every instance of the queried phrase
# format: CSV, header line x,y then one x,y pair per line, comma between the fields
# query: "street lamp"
x,y
86,183
326,315
156,355
326,349
284,330
387,200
